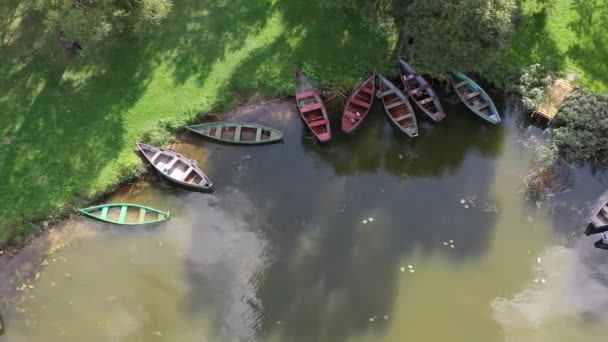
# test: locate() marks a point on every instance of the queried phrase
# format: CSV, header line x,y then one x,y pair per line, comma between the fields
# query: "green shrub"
x,y
532,85
580,128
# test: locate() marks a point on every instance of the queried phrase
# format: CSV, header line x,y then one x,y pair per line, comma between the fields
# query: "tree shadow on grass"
x,y
62,120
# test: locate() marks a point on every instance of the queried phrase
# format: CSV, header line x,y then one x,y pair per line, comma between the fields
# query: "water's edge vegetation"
x,y
69,122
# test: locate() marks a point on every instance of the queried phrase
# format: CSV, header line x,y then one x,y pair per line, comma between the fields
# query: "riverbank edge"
x,y
39,226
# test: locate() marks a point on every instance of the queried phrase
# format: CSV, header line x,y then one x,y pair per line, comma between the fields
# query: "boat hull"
x,y
311,108
420,91
138,215
465,87
359,104
238,133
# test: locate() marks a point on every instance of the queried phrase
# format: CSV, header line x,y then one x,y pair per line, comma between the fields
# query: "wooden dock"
x,y
552,101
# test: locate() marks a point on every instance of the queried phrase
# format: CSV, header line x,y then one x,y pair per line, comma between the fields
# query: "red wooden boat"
x,y
421,92
359,103
311,107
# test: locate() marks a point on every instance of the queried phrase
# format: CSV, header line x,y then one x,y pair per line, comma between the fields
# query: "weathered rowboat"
x,y
398,108
599,222
311,107
474,97
125,214
238,132
421,92
359,103
175,167
602,242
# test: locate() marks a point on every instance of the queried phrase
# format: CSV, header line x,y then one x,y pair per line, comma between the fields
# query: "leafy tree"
x,y
461,35
86,23
580,128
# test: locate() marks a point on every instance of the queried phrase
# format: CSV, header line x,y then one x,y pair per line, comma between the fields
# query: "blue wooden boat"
x,y
474,97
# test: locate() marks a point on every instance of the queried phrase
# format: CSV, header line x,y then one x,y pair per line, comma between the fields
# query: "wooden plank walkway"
x,y
553,100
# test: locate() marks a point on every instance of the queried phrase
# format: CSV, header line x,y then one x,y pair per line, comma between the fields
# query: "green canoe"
x,y
238,132
474,97
125,214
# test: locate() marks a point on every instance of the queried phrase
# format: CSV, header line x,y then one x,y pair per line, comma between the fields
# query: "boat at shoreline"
x,y
599,222
125,214
397,107
475,98
420,91
311,107
359,104
240,133
175,167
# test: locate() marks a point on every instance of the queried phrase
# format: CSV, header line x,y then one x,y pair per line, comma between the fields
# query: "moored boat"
x,y
175,167
599,222
359,104
397,107
420,91
125,214
237,132
602,242
311,107
475,98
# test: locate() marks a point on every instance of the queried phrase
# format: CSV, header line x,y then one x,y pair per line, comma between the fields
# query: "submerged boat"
x,y
599,222
359,103
175,167
398,108
125,214
238,132
420,92
474,97
602,242
311,107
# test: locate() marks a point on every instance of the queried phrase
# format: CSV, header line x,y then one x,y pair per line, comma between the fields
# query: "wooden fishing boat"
x,y
311,107
175,167
599,222
398,108
238,132
474,97
421,92
359,103
125,214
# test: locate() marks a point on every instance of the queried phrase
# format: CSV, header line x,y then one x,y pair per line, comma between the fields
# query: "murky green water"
x,y
364,239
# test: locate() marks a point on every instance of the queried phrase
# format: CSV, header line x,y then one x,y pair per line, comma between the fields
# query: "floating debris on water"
x,y
402,269
364,221
370,219
451,241
452,246
466,206
535,280
386,317
445,243
539,260
462,201
400,156
410,266
412,271
371,319
542,280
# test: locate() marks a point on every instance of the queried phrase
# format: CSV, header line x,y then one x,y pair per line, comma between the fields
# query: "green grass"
x,y
68,125
565,36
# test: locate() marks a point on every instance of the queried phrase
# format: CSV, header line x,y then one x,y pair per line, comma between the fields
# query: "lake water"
x,y
372,237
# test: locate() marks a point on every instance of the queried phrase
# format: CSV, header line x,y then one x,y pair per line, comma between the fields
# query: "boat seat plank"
x,y
482,106
160,216
142,215
258,134
472,95
155,156
237,134
419,89
604,211
186,173
310,107
395,104
359,103
425,101
318,123
403,117
367,90
218,132
104,213
305,94
597,222
460,84
171,163
388,92
410,77
123,214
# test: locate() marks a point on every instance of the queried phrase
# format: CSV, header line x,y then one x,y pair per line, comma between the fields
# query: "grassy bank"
x,y
68,126
564,36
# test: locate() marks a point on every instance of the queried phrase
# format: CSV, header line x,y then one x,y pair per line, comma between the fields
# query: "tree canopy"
x,y
88,22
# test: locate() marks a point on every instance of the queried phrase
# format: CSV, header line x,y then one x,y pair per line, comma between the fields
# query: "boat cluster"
x,y
185,172
396,102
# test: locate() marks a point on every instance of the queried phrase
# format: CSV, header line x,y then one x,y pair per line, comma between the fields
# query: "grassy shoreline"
x,y
69,124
